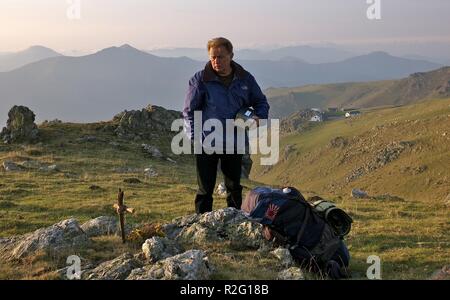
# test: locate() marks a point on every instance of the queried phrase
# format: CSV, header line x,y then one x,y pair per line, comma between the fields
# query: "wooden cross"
x,y
121,209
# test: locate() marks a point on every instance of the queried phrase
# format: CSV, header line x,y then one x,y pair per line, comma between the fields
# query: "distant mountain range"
x,y
309,54
416,87
94,87
11,61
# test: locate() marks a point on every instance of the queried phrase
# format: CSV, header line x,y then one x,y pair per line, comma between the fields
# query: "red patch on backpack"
x,y
272,212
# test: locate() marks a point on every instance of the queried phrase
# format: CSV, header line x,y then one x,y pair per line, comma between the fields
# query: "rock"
x,y
246,235
20,126
132,180
116,269
221,218
101,226
171,160
197,234
144,124
221,190
284,255
359,194
150,172
51,123
31,164
442,274
63,235
292,273
152,150
9,166
158,248
49,168
190,265
205,228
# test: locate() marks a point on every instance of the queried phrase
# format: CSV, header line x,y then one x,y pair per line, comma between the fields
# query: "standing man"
x,y
220,91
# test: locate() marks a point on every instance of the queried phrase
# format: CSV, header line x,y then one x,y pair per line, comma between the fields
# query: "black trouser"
x,y
231,165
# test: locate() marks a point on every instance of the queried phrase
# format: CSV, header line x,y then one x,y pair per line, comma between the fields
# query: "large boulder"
x,y
20,126
144,124
104,225
116,269
190,265
228,224
246,235
64,235
158,248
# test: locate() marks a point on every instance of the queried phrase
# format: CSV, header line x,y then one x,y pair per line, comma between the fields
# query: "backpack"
x,y
313,232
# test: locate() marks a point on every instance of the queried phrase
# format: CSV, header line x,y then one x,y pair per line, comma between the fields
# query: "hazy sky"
x,y
148,24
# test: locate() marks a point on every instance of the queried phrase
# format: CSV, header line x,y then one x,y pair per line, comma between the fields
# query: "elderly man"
x,y
220,91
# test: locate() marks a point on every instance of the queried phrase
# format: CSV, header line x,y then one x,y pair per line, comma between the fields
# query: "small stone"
x,y
10,166
292,273
150,172
356,193
221,190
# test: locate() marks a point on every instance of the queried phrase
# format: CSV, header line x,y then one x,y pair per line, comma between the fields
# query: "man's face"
x,y
220,59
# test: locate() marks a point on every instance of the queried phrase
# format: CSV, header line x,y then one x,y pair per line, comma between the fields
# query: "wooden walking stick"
x,y
121,209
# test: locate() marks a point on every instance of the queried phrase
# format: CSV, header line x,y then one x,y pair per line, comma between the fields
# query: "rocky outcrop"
x,y
145,123
221,225
382,157
101,226
158,248
190,265
20,126
58,237
116,269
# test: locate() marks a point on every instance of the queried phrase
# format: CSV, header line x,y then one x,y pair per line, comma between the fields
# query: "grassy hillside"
x,y
403,152
410,236
418,86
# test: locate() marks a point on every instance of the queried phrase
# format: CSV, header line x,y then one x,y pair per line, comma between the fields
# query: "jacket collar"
x,y
210,75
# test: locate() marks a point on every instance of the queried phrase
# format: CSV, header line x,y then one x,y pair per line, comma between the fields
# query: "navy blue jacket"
x,y
207,94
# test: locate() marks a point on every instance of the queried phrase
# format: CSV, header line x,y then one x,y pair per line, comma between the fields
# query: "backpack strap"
x,y
305,222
